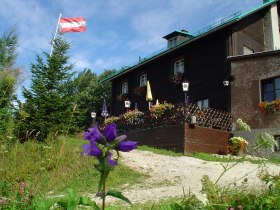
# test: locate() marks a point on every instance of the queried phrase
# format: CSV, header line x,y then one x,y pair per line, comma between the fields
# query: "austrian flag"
x,y
77,24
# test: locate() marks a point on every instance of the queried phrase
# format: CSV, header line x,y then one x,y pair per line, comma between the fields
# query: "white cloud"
x,y
118,31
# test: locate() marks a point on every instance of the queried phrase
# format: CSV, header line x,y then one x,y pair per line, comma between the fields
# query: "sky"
x,y
118,31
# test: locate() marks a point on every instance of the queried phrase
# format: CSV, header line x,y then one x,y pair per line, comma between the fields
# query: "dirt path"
x,y
170,175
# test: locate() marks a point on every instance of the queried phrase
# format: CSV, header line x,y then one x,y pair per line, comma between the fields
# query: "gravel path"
x,y
171,176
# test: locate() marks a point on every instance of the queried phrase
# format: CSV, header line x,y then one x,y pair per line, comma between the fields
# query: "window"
x,y
204,103
277,147
172,42
247,50
143,80
124,88
271,89
178,66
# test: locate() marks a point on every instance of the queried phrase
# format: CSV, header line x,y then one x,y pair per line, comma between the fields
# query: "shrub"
x,y
159,110
133,117
237,144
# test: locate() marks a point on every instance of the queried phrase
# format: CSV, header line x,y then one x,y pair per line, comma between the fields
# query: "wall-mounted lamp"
x,y
93,115
193,119
185,86
226,83
127,104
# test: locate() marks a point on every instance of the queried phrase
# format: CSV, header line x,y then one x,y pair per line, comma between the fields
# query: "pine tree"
x,y
9,77
48,104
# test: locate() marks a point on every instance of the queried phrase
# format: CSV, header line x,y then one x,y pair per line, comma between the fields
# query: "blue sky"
x,y
118,31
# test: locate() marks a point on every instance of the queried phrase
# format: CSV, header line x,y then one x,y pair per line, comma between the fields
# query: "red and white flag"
x,y
77,24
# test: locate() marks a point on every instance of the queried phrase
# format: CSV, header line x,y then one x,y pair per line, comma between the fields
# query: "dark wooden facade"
x,y
205,77
205,64
184,138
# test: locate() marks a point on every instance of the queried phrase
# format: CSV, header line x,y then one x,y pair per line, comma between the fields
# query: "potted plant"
x,y
177,79
237,145
140,91
121,96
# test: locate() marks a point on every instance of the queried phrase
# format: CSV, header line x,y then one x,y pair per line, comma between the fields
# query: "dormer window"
x,y
178,66
177,37
172,42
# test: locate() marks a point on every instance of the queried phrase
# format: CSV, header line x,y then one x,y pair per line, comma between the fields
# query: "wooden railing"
x,y
211,118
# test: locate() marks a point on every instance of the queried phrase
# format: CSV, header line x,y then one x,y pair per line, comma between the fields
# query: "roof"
x,y
193,37
182,32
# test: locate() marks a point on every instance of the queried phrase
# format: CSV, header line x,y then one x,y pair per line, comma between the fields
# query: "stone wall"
x,y
251,137
248,71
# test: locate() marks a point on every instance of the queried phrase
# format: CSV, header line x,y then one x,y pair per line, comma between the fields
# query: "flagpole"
x,y
55,33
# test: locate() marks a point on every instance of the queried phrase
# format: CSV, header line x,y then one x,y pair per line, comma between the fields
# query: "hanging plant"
x,y
121,97
140,91
177,79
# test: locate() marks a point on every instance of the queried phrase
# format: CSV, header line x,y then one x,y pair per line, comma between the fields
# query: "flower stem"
x,y
104,190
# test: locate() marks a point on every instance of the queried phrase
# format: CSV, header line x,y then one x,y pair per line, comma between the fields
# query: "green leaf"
x,y
176,206
119,195
86,201
62,204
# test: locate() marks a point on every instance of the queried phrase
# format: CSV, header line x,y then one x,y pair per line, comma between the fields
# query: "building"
x,y
230,66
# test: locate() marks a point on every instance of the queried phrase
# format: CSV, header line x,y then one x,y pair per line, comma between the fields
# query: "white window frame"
x,y
178,66
172,42
124,87
143,80
203,103
277,147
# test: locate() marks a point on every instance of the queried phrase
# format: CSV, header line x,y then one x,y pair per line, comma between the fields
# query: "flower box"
x,y
140,91
272,106
121,97
177,79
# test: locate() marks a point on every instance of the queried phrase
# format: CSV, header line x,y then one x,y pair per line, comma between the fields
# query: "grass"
x,y
163,204
51,168
172,203
160,151
210,157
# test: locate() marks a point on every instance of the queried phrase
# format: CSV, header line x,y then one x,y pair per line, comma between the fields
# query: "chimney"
x,y
265,1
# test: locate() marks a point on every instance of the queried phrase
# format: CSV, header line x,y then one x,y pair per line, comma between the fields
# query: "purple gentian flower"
x,y
93,135
110,132
110,160
126,146
91,150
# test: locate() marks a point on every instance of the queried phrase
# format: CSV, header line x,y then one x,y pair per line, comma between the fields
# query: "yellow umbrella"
x,y
149,96
157,103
